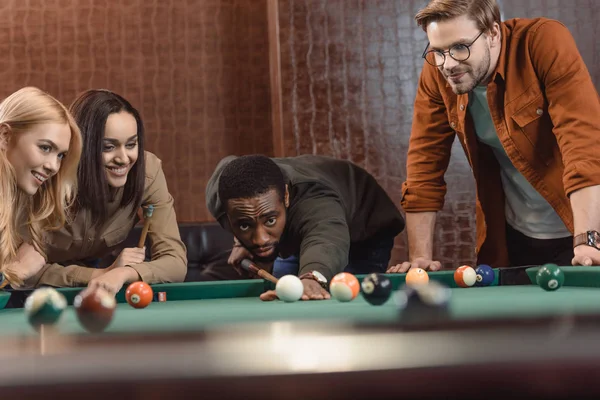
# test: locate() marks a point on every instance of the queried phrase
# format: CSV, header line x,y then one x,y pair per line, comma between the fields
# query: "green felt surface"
x,y
469,303
574,275
236,289
4,297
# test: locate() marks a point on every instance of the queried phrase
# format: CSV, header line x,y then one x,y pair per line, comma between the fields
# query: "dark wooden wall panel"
x,y
198,71
349,70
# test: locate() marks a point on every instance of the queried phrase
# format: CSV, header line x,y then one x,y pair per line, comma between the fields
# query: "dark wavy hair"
x,y
91,110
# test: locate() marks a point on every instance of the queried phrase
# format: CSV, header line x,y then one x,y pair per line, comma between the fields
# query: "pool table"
x,y
218,338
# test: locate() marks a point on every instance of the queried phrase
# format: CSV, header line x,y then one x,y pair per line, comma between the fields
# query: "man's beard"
x,y
268,259
479,74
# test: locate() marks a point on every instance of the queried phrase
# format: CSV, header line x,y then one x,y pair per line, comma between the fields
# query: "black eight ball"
x,y
376,288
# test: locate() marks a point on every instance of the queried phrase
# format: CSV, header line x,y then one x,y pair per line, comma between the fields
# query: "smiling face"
x,y
120,147
36,154
258,223
484,51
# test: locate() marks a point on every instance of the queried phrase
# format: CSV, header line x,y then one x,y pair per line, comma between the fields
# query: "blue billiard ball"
x,y
484,275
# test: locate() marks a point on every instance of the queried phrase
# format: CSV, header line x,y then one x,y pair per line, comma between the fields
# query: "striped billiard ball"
x,y
44,306
95,309
465,276
344,287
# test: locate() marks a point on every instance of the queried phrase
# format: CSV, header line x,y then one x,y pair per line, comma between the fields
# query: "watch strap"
x,y
589,238
310,275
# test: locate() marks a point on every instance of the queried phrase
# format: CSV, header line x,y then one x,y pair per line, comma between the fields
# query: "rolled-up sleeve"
x,y
429,148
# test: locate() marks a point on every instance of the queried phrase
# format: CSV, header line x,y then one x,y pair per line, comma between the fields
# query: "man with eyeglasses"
x,y
521,101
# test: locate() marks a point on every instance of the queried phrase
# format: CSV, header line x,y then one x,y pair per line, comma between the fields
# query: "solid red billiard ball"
x,y
95,309
139,294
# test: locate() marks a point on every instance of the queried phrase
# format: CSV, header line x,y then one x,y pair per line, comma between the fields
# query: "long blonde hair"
x,y
46,209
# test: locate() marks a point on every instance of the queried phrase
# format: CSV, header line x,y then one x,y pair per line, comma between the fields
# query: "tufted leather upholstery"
x,y
208,248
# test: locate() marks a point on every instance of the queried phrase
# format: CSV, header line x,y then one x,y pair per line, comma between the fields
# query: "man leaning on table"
x,y
520,99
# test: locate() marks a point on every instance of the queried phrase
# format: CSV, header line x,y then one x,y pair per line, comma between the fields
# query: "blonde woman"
x,y
40,147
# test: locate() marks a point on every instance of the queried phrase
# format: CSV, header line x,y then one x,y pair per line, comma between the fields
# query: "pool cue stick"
x,y
250,267
147,217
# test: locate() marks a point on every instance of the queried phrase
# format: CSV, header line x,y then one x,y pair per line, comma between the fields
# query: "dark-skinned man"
x,y
325,215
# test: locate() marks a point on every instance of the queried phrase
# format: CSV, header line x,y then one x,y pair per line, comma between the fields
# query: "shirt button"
x,y
90,239
453,124
539,111
462,107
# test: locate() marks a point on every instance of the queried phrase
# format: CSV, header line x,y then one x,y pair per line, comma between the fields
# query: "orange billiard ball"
x,y
416,277
465,276
139,294
344,287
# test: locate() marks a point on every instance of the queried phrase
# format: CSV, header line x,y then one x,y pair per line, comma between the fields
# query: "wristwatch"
x,y
589,238
317,276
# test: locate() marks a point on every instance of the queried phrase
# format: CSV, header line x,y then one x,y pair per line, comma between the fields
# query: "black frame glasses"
x,y
449,51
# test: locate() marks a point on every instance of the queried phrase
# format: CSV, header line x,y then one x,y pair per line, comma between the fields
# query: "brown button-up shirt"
x,y
546,112
71,248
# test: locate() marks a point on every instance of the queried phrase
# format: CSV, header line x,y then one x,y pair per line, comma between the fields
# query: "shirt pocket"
x,y
117,236
532,130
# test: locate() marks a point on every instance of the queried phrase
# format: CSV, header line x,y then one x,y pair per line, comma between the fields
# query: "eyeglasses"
x,y
459,52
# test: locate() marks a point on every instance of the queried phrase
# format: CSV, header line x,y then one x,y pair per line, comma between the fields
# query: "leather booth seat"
x,y
208,248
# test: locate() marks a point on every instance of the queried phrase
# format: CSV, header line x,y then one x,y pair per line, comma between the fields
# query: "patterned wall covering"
x,y
198,71
349,73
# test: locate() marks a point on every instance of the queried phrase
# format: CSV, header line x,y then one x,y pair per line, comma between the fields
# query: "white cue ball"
x,y
289,288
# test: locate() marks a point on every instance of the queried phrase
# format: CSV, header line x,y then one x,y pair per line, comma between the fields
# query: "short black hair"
x,y
250,176
91,110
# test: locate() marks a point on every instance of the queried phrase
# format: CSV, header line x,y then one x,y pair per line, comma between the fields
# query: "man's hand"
x,y
113,280
586,255
129,256
419,262
238,253
312,291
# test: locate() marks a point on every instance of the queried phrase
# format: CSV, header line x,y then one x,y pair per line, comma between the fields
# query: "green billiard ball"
x,y
550,277
44,306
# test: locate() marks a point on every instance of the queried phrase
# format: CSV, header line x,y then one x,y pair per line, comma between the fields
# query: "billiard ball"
x,y
376,288
289,288
423,303
95,309
44,306
416,276
485,275
465,276
139,294
344,287
550,277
